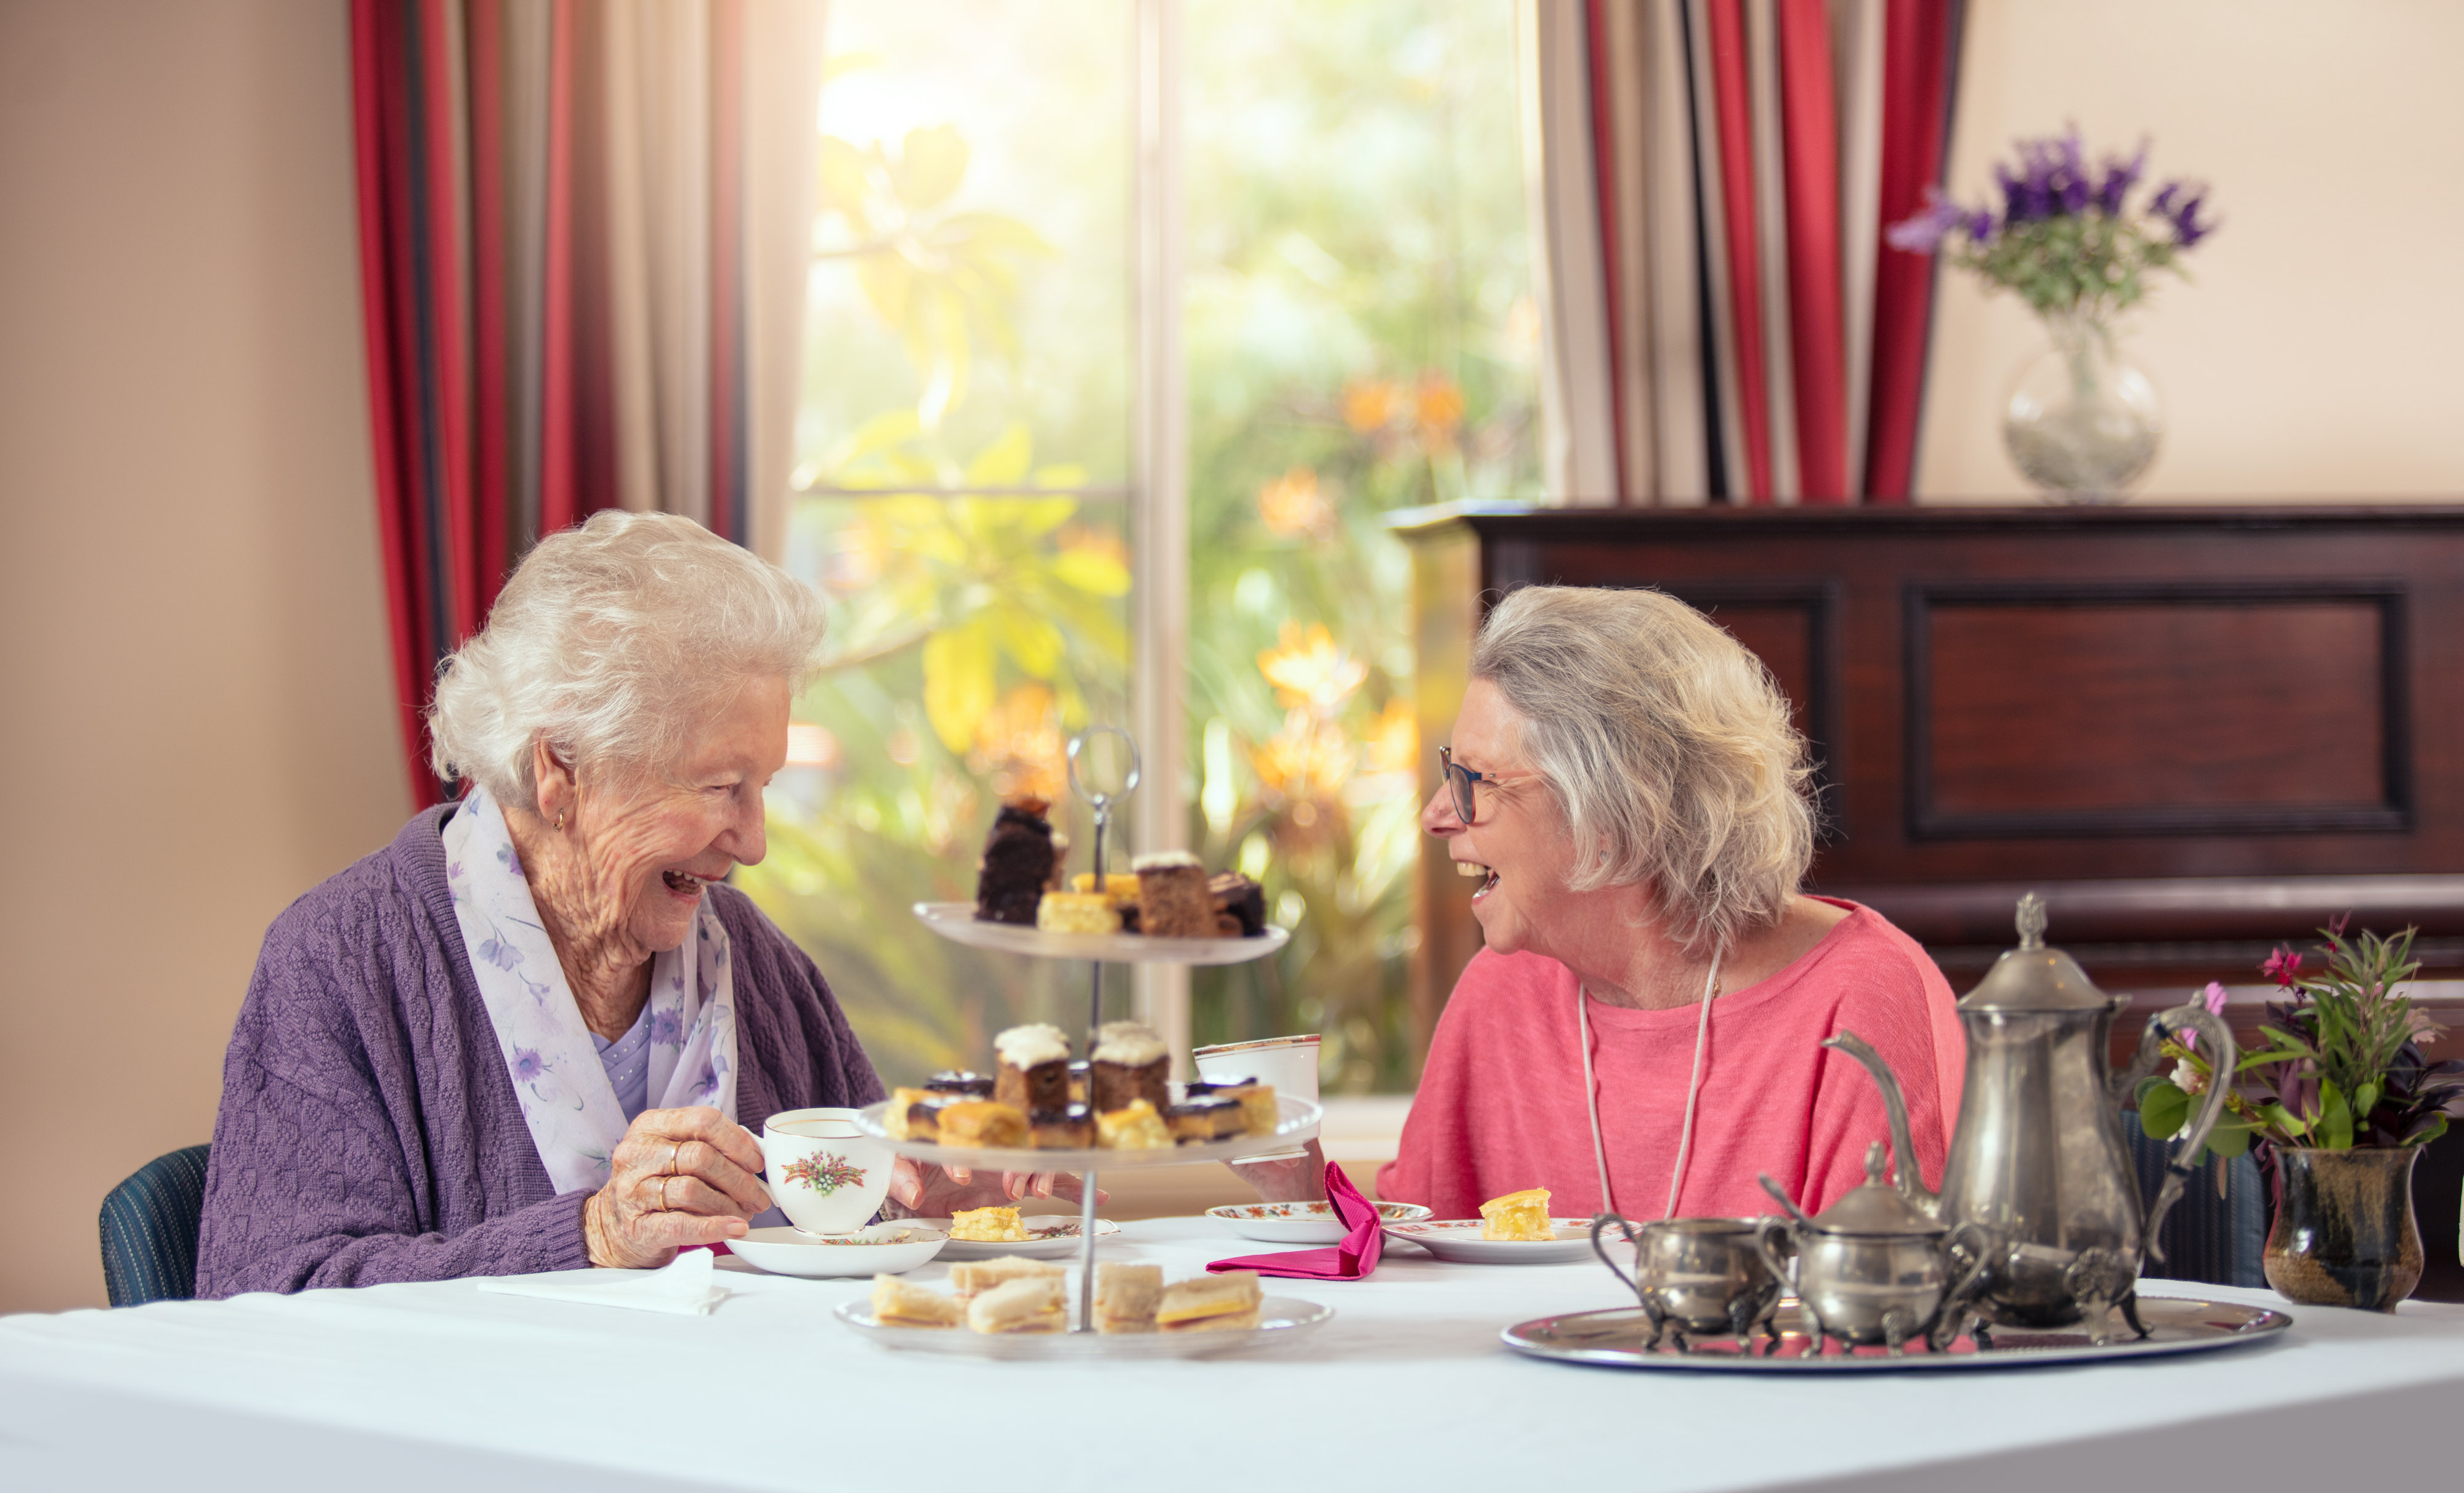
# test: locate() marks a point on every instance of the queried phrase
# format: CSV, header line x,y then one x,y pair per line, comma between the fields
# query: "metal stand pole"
x,y
1086,1254
1101,803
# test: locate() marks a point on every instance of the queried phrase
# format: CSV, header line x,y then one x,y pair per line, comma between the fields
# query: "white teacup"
x,y
1289,1064
826,1175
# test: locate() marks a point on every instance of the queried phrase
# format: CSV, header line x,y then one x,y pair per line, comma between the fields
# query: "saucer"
x,y
1458,1242
1051,1236
882,1249
1303,1222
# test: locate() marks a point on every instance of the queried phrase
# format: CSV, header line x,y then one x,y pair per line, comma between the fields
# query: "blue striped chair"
x,y
2206,1238
149,1230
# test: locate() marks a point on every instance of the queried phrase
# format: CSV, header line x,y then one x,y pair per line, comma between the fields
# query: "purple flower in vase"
x,y
2120,176
2188,229
1925,233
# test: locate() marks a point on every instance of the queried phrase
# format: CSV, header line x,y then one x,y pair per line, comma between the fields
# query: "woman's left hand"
x,y
932,1191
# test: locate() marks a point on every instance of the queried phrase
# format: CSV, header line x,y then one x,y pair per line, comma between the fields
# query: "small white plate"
x,y
882,1249
1280,1320
1303,1222
1458,1242
1051,1236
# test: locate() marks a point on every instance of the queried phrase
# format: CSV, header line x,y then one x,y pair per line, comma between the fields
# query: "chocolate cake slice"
x,y
1242,900
1018,865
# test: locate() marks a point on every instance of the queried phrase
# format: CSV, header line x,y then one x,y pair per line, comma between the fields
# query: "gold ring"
x,y
676,1147
663,1192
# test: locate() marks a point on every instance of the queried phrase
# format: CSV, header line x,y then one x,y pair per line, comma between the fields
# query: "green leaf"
x,y
1091,571
2230,1138
2162,1110
1006,461
2335,1117
960,686
845,181
931,163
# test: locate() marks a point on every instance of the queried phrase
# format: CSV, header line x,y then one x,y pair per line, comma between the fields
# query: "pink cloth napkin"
x,y
1355,1256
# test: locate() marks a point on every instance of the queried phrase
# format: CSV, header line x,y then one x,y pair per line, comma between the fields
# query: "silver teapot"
x,y
1875,1269
2040,1195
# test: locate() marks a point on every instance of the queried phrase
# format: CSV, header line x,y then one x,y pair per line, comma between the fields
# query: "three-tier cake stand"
x,y
1297,1121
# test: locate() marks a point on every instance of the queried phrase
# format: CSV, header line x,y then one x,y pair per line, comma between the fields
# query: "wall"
x,y
2315,356
198,716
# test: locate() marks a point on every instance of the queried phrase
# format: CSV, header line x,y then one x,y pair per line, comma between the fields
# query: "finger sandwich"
x,y
1210,1303
897,1303
1126,1296
1029,1303
972,1278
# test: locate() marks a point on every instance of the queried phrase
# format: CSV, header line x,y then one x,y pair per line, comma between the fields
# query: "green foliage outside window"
x,y
1360,339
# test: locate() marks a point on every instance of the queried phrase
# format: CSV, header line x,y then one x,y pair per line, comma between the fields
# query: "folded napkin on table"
x,y
1355,1256
688,1285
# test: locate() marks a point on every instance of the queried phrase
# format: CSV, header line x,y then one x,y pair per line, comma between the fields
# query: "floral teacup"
x,y
825,1173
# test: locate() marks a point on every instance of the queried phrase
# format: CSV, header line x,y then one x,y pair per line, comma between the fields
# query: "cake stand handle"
x,y
1102,803
1086,1250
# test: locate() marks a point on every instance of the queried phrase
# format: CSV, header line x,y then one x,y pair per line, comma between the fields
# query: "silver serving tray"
x,y
1615,1339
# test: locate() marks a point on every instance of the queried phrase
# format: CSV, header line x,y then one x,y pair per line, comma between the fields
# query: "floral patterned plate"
x,y
1049,1236
1301,1222
881,1249
1458,1242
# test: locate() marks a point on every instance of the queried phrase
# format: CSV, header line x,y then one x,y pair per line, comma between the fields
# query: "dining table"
x,y
1409,1386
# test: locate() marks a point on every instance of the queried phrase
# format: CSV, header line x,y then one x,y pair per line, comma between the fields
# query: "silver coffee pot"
x,y
2040,1194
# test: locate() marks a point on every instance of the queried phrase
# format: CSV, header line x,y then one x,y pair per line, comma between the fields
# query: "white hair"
x,y
1667,745
614,642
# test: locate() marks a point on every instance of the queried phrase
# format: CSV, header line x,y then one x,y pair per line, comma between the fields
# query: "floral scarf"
x,y
571,1108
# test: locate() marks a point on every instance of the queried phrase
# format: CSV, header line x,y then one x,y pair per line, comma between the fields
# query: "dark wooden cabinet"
x,y
2198,731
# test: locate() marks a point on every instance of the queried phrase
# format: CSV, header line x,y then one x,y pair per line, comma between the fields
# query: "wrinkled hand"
x,y
1293,1178
678,1177
931,1191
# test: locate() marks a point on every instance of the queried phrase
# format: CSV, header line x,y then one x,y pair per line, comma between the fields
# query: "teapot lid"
x,y
1874,1207
2034,978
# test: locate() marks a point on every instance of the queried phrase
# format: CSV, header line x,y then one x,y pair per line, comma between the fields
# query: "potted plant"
x,y
2082,421
2342,1096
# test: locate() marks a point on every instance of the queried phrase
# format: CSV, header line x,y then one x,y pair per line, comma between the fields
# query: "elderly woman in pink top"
x,y
1642,1032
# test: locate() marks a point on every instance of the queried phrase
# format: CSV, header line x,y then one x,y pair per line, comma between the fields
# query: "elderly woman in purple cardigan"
x,y
528,1034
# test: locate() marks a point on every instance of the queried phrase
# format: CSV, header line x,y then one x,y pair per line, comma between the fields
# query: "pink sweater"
x,y
1501,1103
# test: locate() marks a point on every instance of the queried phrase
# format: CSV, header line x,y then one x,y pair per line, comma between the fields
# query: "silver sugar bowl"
x,y
1702,1277
1873,1269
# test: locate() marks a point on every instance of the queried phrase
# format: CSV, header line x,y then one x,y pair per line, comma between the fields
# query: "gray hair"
x,y
1667,745
614,641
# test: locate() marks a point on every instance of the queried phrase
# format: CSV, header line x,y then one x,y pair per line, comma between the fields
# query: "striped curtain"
x,y
1713,179
585,229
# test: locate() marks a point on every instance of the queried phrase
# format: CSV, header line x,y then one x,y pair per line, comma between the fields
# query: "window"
x,y
1348,288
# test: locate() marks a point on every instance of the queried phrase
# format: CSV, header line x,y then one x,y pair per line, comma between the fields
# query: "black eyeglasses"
x,y
1462,779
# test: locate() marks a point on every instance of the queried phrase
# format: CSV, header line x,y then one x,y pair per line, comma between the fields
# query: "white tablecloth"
x,y
435,1386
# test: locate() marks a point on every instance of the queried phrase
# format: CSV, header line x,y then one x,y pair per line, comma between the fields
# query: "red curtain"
x,y
1808,127
482,133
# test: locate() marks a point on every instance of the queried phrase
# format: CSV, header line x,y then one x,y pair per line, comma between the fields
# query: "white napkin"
x,y
686,1285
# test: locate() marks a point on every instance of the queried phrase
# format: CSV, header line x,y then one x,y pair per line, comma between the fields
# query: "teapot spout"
x,y
1903,1165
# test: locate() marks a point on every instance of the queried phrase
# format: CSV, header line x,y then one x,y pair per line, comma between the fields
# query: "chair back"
x,y
149,1230
2220,1240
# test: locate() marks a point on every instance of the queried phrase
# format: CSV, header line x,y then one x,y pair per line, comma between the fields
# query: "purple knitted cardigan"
x,y
369,1131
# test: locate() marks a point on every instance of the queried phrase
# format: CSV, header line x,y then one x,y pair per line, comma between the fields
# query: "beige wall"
x,y
2317,353
195,685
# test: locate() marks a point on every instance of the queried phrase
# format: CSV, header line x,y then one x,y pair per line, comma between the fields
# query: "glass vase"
x,y
2344,1232
2082,423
